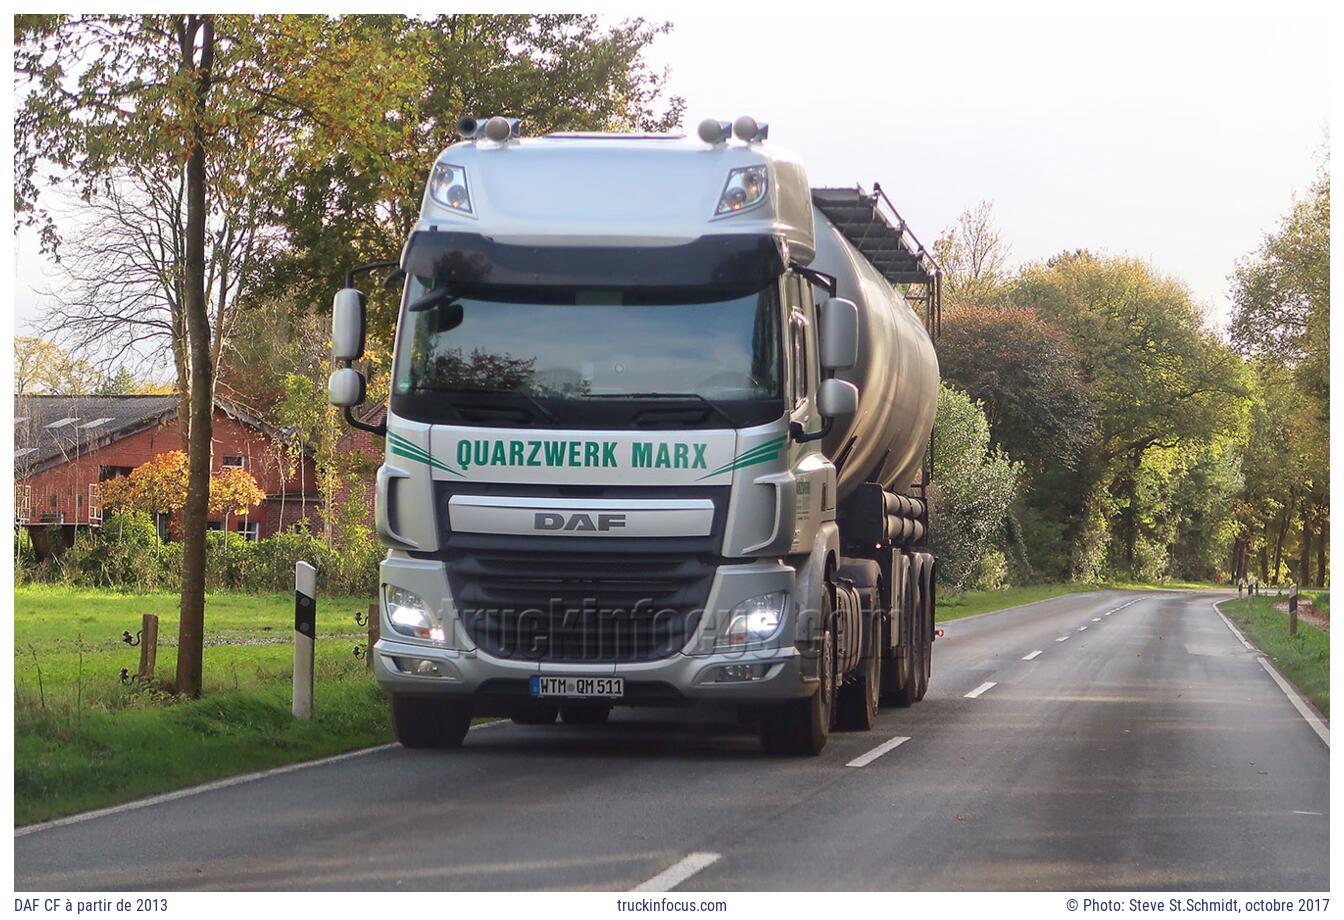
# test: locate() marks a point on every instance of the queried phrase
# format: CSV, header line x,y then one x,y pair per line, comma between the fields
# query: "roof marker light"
x,y
748,129
713,131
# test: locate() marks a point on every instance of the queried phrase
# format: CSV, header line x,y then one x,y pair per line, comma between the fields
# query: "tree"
x,y
43,367
972,488
1281,316
974,258
212,103
1027,375
1159,379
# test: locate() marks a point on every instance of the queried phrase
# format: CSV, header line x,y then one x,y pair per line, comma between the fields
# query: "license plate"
x,y
578,687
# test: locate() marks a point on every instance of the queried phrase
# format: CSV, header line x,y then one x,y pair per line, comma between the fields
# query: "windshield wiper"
x,y
694,397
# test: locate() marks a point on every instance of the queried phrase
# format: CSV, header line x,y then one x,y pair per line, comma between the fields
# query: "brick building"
x,y
64,446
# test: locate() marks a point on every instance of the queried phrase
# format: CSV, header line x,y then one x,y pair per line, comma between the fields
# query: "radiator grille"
x,y
576,608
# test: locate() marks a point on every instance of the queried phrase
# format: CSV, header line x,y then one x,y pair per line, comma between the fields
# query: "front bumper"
x,y
695,674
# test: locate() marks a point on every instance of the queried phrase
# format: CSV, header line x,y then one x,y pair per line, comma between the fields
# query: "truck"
x,y
657,435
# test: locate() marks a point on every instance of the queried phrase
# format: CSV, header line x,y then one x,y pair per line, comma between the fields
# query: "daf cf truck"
x,y
656,436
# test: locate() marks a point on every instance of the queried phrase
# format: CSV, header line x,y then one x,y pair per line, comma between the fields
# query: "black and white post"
x,y
1292,609
305,632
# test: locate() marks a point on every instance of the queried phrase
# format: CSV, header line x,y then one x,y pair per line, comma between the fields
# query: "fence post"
x,y
149,647
1292,609
373,635
305,632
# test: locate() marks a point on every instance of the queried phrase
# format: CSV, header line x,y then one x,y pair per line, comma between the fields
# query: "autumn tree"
x,y
974,258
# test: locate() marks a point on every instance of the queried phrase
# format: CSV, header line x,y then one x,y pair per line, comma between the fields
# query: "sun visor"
x,y
462,261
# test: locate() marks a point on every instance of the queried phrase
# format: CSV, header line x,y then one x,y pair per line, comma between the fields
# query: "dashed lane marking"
x,y
978,691
679,872
864,760
1062,639
1031,655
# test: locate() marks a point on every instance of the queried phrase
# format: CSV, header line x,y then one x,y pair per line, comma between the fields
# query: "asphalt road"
x,y
1144,747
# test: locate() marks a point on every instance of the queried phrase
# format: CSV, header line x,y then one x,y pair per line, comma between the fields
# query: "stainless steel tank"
x,y
896,373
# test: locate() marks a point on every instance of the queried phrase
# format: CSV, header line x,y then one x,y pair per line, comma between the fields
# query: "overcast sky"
x,y
1178,139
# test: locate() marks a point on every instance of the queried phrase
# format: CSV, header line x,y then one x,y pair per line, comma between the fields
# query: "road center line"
x,y
864,760
1096,619
981,689
1031,655
679,872
1062,639
1081,628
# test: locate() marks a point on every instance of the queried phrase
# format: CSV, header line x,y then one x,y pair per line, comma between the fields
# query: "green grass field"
x,y
1304,659
83,739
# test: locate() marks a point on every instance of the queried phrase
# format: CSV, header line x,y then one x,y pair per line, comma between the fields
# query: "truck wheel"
x,y
858,700
801,727
585,713
429,721
535,712
925,646
903,687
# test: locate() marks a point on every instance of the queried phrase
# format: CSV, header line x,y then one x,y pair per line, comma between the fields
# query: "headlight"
x,y
409,616
754,621
448,186
744,189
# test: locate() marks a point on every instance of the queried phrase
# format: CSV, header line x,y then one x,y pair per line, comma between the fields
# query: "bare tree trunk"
x,y
1322,543
1304,559
191,634
1278,545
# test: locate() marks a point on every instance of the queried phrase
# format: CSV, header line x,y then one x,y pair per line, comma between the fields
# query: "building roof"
x,y
52,429
49,430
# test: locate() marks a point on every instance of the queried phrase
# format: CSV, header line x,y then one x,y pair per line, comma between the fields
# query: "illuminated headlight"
x,y
448,186
744,189
754,621
409,616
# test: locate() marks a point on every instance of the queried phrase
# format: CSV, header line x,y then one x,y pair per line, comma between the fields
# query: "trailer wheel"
x,y
802,727
535,712
926,613
902,689
585,713
858,701
430,722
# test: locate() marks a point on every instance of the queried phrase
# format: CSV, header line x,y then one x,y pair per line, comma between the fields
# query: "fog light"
x,y
421,667
737,673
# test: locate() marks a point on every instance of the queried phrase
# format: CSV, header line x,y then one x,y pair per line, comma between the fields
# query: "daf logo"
x,y
579,523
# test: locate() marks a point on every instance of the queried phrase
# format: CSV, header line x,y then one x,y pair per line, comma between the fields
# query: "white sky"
x,y
1175,138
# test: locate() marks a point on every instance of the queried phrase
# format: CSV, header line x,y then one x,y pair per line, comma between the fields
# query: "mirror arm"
x,y
820,279
368,267
802,437
380,429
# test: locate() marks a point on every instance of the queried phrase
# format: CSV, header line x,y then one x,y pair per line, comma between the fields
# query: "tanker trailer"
x,y
654,438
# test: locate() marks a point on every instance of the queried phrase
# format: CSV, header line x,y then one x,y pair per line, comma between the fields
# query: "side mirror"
x,y
347,325
345,388
837,397
839,334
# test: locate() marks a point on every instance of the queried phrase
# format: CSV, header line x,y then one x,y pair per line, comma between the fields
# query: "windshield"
x,y
592,344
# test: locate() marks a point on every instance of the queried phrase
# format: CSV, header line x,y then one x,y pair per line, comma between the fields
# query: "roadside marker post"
x,y
149,647
1292,609
305,632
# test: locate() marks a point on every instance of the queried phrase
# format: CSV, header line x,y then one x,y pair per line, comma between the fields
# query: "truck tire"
x,y
903,688
535,712
858,700
800,728
926,645
585,713
430,722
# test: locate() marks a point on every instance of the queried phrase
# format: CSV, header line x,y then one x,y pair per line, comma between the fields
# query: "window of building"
x,y
233,462
53,501
251,530
214,525
79,501
112,472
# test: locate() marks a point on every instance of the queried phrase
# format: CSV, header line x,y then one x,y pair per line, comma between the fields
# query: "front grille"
x,y
580,608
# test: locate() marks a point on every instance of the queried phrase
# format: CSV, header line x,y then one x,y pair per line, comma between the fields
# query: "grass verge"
x,y
969,603
83,739
1304,659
